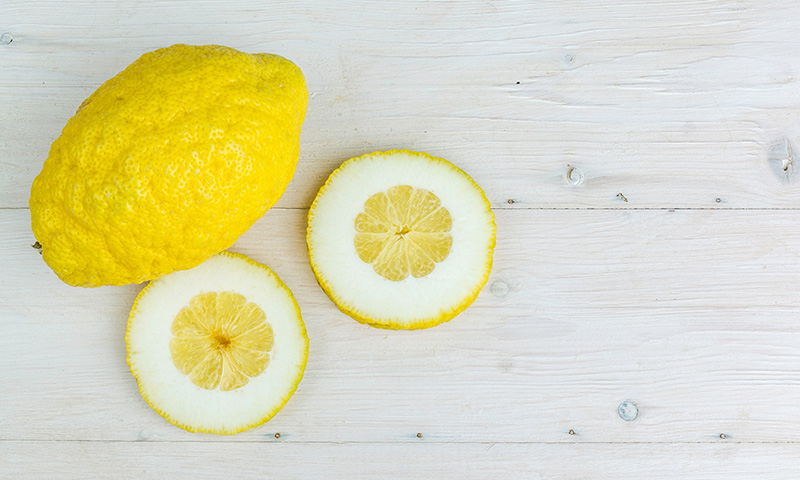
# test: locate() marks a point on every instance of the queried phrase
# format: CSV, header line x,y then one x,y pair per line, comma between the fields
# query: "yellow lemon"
x,y
219,348
168,163
401,239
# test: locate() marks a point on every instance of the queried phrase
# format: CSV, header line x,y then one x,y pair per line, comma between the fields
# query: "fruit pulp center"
x,y
220,340
403,231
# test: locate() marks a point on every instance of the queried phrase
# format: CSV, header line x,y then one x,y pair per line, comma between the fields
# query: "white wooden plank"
x,y
690,314
672,104
79,460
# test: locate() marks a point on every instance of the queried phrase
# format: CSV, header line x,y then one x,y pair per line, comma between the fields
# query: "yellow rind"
x,y
396,323
168,163
272,412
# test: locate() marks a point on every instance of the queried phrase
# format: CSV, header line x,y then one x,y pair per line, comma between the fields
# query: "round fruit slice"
x,y
219,348
401,239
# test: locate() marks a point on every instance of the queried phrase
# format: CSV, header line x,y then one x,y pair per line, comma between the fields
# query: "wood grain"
x,y
690,314
674,104
79,460
639,156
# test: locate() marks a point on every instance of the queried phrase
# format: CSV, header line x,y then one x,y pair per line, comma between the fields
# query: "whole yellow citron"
x,y
168,163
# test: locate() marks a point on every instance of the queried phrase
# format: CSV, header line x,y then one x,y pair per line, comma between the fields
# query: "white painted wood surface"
x,y
649,252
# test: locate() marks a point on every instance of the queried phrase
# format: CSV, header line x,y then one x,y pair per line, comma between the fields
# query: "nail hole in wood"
x,y
277,435
571,432
781,156
500,289
628,411
574,176
419,435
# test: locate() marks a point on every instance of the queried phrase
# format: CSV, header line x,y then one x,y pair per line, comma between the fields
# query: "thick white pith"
x,y
170,392
353,284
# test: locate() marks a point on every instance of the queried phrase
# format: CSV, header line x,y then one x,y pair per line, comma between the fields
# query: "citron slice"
x,y
401,239
219,348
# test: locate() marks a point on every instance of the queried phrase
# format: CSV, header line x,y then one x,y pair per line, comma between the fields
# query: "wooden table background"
x,y
638,156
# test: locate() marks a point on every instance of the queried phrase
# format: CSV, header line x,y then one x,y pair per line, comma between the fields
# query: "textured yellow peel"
x,y
168,163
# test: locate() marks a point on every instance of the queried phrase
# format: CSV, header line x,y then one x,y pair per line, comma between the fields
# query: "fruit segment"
x,y
220,340
403,232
